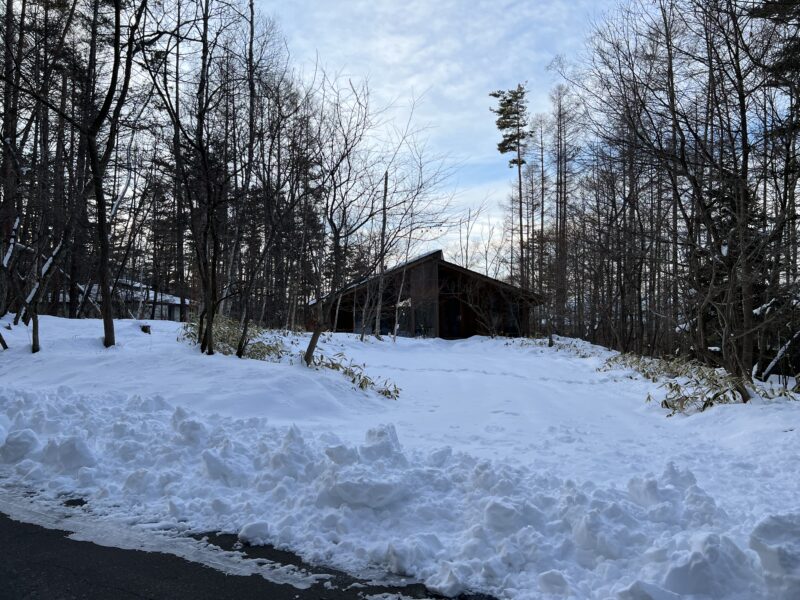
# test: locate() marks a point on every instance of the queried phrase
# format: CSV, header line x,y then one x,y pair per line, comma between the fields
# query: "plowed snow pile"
x,y
510,469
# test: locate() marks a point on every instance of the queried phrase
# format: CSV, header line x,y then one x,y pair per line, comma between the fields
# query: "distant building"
x,y
436,298
132,299
146,303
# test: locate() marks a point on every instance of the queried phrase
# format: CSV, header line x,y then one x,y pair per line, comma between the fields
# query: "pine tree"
x,y
512,121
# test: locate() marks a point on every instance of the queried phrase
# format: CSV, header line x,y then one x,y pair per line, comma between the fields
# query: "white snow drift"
x,y
505,468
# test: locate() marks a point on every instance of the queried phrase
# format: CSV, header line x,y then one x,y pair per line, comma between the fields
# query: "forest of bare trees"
x,y
658,208
174,144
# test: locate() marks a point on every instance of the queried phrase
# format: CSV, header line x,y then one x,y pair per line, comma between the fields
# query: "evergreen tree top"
x,y
512,121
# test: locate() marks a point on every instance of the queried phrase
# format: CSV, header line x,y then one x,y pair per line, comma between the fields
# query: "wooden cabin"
x,y
431,297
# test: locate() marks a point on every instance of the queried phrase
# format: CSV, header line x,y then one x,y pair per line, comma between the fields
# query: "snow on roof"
x,y
143,292
149,295
133,291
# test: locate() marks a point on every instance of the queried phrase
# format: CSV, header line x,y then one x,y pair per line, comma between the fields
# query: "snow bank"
x,y
450,519
777,541
505,467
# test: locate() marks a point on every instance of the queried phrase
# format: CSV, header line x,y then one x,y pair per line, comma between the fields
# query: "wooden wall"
x,y
425,298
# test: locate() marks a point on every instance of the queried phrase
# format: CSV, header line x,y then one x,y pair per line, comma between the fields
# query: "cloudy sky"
x,y
449,54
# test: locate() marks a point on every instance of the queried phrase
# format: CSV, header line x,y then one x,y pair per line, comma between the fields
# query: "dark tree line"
x,y
170,146
658,208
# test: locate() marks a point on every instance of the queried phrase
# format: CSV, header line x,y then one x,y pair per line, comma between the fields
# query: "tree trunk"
x,y
382,258
35,347
103,279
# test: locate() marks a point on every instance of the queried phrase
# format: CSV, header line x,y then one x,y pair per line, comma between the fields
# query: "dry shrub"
x,y
691,386
268,346
357,375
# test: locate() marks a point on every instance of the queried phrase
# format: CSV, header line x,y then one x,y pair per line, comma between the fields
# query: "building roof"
x,y
438,256
433,255
136,290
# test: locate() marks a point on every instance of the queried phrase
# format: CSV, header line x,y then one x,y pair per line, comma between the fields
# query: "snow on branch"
x,y
45,270
12,243
781,353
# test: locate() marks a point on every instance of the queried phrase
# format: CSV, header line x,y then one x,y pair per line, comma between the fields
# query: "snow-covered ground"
x,y
505,467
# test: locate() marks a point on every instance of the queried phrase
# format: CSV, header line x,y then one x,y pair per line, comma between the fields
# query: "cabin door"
x,y
450,319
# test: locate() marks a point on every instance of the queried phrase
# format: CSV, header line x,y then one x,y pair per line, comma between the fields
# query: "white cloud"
x,y
450,52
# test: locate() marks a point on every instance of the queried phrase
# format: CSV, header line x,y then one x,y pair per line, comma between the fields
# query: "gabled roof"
x,y
510,287
438,256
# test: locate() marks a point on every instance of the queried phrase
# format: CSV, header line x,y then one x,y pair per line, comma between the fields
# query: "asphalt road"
x,y
43,563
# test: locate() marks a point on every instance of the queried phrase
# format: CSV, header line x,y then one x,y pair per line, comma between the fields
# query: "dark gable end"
x,y
431,297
